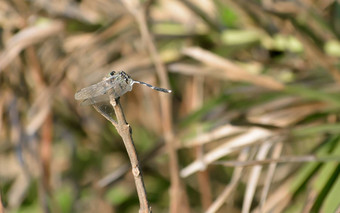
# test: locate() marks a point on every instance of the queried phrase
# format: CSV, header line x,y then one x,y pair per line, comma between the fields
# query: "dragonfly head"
x,y
112,73
125,76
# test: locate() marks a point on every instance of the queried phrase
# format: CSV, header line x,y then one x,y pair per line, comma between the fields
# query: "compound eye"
x,y
112,73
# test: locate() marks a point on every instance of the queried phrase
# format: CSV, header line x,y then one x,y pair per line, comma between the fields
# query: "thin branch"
x,y
178,198
125,131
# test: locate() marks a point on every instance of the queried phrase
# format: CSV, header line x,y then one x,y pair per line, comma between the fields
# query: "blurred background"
x,y
252,124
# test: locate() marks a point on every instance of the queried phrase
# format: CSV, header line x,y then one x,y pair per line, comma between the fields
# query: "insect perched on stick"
x,y
111,88
117,84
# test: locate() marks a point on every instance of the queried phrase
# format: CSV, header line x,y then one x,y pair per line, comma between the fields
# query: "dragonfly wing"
x,y
93,91
95,100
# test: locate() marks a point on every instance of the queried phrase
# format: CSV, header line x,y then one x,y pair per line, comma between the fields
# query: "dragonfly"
x,y
116,85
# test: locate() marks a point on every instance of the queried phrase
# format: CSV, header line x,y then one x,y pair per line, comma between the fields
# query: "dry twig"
x,y
178,197
125,131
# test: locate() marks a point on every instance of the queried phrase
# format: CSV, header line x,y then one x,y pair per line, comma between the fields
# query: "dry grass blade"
x,y
17,192
20,186
196,91
274,105
271,171
231,186
231,70
218,133
242,73
278,199
39,111
254,176
119,173
284,159
250,137
28,37
287,116
195,70
114,176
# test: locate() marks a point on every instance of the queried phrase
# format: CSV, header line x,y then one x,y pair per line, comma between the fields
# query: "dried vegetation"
x,y
252,124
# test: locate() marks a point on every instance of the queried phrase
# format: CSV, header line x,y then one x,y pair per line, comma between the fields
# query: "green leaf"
x,y
332,200
326,178
239,37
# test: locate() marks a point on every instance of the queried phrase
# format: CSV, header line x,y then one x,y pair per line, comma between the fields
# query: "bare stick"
x,y
124,130
178,197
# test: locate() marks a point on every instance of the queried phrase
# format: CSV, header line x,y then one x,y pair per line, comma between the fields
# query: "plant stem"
x,y
125,131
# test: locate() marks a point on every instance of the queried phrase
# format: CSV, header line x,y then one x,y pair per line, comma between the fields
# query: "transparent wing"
x,y
95,100
102,103
94,90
